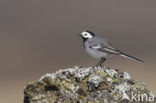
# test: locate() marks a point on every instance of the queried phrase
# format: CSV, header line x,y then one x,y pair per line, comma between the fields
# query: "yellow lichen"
x,y
101,72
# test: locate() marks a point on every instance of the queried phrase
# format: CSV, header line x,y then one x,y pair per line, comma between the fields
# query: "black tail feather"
x,y
131,57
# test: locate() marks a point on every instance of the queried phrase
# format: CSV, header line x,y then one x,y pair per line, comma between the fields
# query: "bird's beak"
x,y
78,34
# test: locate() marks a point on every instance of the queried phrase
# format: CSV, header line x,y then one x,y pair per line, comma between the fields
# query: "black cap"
x,y
90,32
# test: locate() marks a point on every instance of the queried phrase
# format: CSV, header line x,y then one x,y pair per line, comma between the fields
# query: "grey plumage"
x,y
101,48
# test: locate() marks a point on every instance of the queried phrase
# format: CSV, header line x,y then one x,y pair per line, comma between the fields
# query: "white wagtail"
x,y
100,48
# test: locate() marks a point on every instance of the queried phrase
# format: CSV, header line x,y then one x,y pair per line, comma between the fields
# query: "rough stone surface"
x,y
86,85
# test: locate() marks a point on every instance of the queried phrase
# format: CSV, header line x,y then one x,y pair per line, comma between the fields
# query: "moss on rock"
x,y
84,85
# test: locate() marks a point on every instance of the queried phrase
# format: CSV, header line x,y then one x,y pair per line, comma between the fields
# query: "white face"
x,y
86,35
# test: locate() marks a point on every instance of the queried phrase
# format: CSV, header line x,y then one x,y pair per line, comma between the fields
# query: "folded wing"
x,y
105,48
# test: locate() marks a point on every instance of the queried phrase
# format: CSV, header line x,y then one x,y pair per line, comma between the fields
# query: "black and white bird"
x,y
100,48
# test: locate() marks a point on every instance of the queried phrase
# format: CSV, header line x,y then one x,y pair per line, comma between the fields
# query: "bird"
x,y
101,48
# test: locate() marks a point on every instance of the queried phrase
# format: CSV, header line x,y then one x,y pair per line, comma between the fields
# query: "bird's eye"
x,y
85,34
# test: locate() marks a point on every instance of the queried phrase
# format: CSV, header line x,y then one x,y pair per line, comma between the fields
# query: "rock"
x,y
87,85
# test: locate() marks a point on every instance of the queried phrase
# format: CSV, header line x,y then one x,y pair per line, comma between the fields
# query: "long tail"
x,y
131,57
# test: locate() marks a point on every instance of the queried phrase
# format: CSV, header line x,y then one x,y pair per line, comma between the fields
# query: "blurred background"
x,y
39,36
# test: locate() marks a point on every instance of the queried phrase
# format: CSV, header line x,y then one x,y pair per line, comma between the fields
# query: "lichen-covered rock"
x,y
87,85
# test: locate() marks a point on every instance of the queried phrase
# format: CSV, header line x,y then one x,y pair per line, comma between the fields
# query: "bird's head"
x,y
87,35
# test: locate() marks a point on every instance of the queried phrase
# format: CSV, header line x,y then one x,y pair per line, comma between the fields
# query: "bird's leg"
x,y
100,62
103,59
